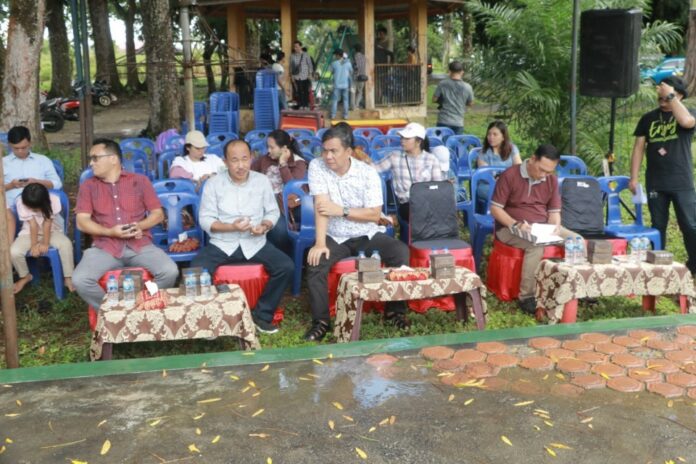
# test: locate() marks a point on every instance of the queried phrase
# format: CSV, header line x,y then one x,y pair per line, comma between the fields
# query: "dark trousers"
x,y
404,211
685,206
278,236
392,251
302,95
278,266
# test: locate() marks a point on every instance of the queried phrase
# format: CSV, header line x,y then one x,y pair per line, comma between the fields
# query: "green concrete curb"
x,y
343,350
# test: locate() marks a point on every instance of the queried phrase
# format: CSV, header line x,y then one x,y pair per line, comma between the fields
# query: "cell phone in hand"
x,y
24,180
128,227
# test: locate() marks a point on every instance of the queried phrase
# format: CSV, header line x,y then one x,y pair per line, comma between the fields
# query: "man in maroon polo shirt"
x,y
118,208
525,194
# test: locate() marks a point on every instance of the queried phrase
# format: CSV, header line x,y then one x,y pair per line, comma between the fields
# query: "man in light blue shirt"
x,y
342,71
237,210
22,166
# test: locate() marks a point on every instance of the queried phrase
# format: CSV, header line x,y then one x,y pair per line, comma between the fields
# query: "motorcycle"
x,y
69,108
51,118
101,92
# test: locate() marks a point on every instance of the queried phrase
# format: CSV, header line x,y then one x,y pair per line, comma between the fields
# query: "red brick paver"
x,y
664,345
577,345
681,379
689,330
573,366
681,356
469,356
691,393
537,363
592,357
559,353
381,360
567,390
628,342
625,384
433,353
595,337
608,369
627,360
662,365
503,360
444,365
481,370
644,334
458,378
544,343
690,368
645,375
589,381
495,384
684,341
491,347
610,348
667,390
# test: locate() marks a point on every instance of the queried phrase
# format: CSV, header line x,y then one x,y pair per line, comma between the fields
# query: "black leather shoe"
x,y
317,332
398,320
527,305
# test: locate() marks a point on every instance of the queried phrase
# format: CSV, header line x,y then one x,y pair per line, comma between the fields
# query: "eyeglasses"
x,y
95,158
663,99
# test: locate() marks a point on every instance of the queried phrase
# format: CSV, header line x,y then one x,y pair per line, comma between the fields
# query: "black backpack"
x,y
582,206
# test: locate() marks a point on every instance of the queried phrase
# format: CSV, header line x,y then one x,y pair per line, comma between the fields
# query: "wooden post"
x,y
7,300
368,20
236,37
286,40
419,25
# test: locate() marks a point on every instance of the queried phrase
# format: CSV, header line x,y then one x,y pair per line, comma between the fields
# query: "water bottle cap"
x,y
205,270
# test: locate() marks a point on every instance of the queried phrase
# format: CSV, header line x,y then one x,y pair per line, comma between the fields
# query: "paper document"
x,y
640,198
540,234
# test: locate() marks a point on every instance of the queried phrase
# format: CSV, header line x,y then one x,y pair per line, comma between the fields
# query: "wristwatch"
x,y
346,211
670,96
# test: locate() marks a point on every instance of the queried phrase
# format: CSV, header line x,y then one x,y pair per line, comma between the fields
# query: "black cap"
x,y
677,83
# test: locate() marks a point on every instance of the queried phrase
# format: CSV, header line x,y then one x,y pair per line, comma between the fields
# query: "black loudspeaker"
x,y
609,42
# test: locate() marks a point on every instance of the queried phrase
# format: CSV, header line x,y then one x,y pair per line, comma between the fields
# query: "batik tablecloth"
x,y
558,283
223,314
351,295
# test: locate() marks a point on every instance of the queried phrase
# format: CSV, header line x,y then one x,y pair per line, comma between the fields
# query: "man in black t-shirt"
x,y
665,134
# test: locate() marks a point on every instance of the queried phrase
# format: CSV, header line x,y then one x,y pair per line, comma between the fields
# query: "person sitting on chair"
x,y
525,194
118,208
237,210
348,204
195,164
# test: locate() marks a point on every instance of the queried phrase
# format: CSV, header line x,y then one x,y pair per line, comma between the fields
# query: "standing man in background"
x,y
342,71
453,95
301,70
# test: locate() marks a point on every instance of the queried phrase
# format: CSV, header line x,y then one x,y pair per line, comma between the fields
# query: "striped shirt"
x,y
409,169
305,66
360,64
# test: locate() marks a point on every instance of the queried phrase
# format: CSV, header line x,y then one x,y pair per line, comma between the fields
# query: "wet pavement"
x,y
591,398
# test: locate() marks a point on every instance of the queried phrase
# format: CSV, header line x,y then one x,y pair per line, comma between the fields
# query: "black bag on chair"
x,y
582,206
433,211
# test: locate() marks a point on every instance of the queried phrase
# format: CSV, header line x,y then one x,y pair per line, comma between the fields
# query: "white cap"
x,y
197,139
413,129
442,154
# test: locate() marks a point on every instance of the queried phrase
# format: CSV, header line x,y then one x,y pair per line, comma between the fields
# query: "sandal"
x,y
398,320
317,332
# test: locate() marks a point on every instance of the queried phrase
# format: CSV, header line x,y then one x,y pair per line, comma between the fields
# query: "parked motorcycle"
x,y
51,118
69,107
101,92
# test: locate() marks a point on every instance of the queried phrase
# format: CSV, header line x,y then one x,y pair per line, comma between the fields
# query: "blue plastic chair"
x,y
175,143
381,153
466,164
215,138
297,133
173,203
58,165
174,186
361,142
256,135
570,165
612,186
137,161
441,133
303,238
435,142
217,149
385,203
310,144
367,132
320,132
462,144
481,225
139,143
224,101
384,141
164,162
52,254
395,131
258,148
86,174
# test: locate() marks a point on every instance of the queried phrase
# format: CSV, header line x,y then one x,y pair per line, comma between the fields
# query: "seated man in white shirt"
x,y
348,204
237,209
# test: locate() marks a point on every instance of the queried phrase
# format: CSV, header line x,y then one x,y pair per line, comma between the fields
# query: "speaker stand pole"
x,y
574,79
612,125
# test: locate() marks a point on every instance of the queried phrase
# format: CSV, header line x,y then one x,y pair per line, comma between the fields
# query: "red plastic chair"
x,y
505,266
337,270
91,312
252,278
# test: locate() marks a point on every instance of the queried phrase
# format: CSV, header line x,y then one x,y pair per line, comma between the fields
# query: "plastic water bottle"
x,y
205,284
579,256
635,249
361,254
569,257
128,290
112,290
646,246
375,255
190,285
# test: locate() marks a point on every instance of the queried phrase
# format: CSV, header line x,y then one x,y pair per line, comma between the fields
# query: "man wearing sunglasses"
x,y
118,209
665,135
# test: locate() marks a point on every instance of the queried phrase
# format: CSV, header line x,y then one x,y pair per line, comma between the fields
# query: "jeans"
x,y
337,95
392,251
278,266
359,94
685,207
278,236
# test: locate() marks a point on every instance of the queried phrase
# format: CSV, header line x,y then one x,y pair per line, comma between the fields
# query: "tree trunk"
x,y
61,63
224,67
20,86
162,75
3,51
103,45
467,31
446,39
133,83
690,67
208,49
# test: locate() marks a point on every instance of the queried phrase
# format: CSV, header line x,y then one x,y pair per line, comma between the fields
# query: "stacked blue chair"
x,y
367,132
220,122
215,138
303,238
173,204
224,112
570,165
612,186
266,109
297,133
481,225
52,254
266,79
384,141
442,133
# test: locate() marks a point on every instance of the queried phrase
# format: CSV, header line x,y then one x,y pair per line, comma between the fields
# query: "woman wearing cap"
x,y
497,151
410,165
281,164
194,164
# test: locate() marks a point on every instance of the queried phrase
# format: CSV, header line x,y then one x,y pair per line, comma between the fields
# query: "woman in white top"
x,y
195,164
